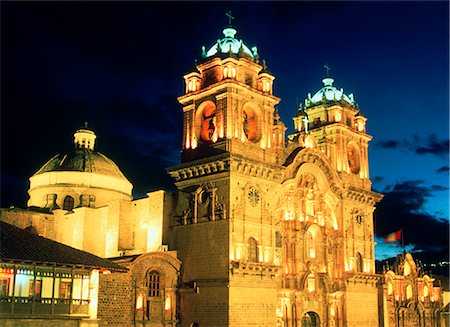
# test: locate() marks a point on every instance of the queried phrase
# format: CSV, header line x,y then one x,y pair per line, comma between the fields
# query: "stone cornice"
x,y
364,196
224,163
199,168
244,166
222,87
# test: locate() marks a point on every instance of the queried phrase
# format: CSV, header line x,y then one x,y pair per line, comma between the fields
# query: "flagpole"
x,y
403,242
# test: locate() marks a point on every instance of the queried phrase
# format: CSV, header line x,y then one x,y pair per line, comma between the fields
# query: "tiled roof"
x,y
19,245
83,160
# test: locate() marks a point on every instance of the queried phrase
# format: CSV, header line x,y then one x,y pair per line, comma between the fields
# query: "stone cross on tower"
x,y
306,122
230,18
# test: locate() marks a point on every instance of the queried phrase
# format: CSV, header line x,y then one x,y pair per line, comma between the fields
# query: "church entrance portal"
x,y
310,319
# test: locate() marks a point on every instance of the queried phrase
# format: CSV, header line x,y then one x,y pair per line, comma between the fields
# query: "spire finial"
x,y
264,64
328,68
230,17
85,124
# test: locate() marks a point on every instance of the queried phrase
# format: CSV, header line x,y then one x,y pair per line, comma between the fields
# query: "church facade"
x,y
266,229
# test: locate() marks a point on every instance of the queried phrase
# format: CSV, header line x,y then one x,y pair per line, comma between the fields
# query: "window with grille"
x,y
154,284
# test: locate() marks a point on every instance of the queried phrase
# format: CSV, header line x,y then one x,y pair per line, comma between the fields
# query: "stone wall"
x,y
116,300
362,303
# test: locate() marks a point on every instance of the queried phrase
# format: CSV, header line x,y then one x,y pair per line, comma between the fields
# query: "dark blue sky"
x,y
119,66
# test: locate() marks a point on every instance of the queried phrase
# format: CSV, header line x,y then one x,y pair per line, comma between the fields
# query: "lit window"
x,y
425,291
409,292
35,288
64,290
337,116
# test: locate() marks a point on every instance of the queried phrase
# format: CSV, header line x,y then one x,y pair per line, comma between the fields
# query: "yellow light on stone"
x,y
238,253
289,215
93,294
167,303
140,302
266,256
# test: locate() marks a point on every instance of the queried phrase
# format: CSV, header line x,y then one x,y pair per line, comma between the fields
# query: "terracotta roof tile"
x,y
19,245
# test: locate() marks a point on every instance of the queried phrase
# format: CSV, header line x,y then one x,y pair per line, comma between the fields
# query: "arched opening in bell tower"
x,y
310,319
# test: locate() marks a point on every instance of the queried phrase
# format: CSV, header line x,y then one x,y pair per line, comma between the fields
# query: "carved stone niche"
x,y
203,206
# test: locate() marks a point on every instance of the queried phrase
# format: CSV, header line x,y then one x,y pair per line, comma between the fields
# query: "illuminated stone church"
x,y
266,229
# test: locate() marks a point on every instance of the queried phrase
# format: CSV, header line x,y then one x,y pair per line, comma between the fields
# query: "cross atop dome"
x,y
230,17
328,68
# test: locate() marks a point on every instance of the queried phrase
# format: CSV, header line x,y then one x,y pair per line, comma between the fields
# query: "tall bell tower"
x,y
222,228
331,122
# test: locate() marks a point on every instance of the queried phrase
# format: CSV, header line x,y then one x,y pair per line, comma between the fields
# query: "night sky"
x,y
119,66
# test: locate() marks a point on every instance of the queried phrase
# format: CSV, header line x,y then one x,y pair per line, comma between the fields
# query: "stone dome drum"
x,y
81,178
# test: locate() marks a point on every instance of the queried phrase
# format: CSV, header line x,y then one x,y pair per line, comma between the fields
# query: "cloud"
x,y
433,146
403,207
430,145
388,144
443,169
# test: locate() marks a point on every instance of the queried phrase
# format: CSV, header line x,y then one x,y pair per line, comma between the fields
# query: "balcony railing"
x,y
34,306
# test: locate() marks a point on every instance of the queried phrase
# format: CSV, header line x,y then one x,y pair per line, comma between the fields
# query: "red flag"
x,y
393,237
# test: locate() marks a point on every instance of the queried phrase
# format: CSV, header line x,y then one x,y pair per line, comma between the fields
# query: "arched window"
x,y
154,284
310,319
278,242
359,262
68,203
390,288
310,244
311,283
409,292
252,250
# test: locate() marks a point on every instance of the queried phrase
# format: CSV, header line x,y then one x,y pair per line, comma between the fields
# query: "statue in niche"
x,y
310,202
208,128
186,216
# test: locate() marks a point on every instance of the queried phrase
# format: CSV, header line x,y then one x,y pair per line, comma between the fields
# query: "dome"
x,y
82,160
230,44
329,93
82,177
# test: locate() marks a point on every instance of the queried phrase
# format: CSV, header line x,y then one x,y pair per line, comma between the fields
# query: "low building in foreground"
x,y
46,283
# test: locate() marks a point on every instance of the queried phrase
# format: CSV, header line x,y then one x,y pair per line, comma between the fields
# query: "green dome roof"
x,y
329,93
230,44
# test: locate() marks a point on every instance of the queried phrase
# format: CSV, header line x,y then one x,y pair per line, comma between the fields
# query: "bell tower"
x,y
223,229
331,122
228,103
